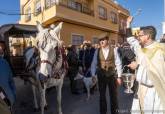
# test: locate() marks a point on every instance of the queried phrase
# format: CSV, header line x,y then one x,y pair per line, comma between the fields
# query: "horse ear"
x,y
39,26
58,28
52,26
55,32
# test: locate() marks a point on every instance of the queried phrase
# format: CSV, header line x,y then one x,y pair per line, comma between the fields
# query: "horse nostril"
x,y
42,77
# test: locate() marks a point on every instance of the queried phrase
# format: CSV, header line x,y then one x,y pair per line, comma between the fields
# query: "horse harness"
x,y
56,74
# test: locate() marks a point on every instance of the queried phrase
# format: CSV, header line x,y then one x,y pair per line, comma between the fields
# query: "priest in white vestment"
x,y
151,71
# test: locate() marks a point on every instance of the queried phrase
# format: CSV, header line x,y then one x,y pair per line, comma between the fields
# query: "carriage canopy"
x,y
16,38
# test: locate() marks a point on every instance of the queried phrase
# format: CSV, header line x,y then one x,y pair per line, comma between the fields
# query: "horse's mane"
x,y
31,57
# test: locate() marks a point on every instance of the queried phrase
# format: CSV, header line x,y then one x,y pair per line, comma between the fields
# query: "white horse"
x,y
49,72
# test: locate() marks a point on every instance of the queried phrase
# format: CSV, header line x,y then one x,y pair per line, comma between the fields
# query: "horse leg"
x,y
59,90
43,99
36,108
45,105
88,92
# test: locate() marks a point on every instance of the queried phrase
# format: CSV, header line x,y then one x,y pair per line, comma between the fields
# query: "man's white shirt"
x,y
105,52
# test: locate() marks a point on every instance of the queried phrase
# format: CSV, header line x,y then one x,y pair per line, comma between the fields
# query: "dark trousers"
x,y
103,82
72,72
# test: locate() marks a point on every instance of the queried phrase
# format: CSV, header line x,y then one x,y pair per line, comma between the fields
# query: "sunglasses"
x,y
141,35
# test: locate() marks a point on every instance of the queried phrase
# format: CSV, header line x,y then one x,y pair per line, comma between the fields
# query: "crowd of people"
x,y
79,58
106,63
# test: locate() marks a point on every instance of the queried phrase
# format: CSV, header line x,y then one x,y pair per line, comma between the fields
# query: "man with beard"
x,y
151,69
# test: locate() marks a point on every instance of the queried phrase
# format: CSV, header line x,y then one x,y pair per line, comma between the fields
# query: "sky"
x,y
9,6
151,14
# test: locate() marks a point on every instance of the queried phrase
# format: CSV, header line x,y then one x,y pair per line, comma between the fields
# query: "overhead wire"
x,y
13,13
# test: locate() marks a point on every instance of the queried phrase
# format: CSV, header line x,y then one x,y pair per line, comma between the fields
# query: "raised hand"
x,y
129,21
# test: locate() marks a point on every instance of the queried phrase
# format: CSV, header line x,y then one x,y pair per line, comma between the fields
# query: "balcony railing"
x,y
80,7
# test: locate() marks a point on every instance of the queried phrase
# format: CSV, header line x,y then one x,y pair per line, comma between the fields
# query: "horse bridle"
x,y
47,61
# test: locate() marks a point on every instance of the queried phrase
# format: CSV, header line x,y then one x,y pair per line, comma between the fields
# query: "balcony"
x,y
76,12
77,6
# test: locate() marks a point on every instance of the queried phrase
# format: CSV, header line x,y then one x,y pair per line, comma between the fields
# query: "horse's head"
x,y
47,45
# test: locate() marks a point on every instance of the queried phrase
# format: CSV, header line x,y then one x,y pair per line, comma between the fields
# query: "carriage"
x,y
17,38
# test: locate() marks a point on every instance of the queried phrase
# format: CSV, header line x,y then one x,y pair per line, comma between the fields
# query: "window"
x,y
49,3
37,9
86,9
102,12
122,25
77,39
28,14
74,5
95,40
78,6
53,1
113,17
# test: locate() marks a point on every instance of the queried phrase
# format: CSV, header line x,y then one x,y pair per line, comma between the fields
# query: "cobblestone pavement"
x,y
71,104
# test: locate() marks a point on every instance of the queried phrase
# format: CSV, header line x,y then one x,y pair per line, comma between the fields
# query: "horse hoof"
x,y
36,109
46,107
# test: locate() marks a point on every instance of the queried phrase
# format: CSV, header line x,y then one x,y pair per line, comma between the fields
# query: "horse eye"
x,y
43,45
38,44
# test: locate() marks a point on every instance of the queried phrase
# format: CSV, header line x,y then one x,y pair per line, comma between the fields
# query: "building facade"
x,y
83,19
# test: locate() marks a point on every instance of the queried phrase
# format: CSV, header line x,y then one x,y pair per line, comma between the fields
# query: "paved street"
x,y
72,104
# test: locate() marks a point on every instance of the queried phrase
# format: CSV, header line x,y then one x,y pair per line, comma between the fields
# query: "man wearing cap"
x,y
104,62
151,70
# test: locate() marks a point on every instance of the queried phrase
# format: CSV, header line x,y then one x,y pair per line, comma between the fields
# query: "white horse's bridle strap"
x,y
46,61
